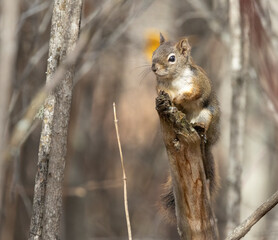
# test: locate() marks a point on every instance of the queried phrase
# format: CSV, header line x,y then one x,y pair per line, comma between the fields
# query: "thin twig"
x,y
245,226
32,11
124,175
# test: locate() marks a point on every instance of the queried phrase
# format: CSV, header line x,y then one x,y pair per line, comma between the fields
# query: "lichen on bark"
x,y
47,204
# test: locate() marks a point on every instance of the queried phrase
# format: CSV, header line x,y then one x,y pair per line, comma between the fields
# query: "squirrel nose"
x,y
154,68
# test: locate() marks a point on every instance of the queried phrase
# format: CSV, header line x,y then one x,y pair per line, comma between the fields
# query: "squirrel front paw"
x,y
163,102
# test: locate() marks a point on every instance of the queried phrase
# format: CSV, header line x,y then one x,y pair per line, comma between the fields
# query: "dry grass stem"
x,y
124,175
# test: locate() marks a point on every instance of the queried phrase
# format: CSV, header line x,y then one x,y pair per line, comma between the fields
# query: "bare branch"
x,y
245,226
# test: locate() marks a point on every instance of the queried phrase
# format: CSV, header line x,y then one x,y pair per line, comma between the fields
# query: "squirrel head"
x,y
169,59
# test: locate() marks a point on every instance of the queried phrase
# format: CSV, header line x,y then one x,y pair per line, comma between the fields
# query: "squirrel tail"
x,y
211,170
167,202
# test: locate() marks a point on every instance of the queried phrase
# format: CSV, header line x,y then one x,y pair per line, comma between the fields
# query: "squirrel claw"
x,y
200,128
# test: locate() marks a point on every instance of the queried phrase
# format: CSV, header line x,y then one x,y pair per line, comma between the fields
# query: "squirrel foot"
x,y
200,129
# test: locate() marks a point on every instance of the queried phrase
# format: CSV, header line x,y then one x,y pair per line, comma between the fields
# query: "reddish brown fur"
x,y
199,103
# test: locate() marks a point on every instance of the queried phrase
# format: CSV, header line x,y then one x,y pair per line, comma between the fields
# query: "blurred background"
x,y
116,68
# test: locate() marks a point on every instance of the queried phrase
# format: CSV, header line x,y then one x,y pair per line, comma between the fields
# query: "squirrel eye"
x,y
172,58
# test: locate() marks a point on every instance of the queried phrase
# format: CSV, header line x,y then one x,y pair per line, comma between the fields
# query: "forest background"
x,y
115,67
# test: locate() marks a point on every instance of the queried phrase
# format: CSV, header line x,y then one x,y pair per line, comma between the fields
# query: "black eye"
x,y
172,58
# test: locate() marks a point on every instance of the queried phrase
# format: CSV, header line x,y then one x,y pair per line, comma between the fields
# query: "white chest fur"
x,y
184,83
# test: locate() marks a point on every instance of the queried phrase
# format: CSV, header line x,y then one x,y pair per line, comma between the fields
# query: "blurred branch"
x,y
239,68
8,52
32,11
26,122
263,54
115,28
77,191
89,30
215,24
37,55
82,191
124,175
26,200
195,217
34,60
271,108
46,19
189,16
245,226
40,53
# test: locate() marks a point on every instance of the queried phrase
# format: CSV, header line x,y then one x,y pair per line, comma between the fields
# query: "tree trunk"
x,y
47,205
195,217
239,70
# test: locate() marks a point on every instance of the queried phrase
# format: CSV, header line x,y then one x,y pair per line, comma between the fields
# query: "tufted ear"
x,y
183,46
162,39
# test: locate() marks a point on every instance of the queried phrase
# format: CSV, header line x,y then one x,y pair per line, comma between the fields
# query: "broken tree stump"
x,y
195,217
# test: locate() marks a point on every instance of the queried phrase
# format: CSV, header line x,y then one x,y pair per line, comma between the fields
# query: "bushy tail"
x,y
167,202
210,170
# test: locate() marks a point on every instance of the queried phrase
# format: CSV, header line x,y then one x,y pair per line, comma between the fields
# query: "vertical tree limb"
x,y
195,218
239,62
47,205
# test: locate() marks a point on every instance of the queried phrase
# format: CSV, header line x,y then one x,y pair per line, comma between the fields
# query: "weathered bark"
x,y
239,63
195,217
8,51
47,205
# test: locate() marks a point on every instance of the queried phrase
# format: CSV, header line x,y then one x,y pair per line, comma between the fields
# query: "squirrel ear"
x,y
183,46
162,39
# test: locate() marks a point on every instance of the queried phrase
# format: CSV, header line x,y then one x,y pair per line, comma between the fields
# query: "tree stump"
x,y
195,217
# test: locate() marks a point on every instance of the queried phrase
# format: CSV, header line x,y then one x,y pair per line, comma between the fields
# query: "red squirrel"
x,y
190,90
